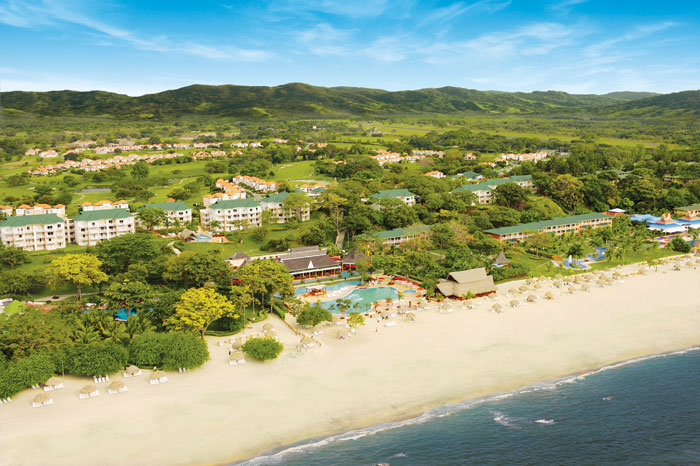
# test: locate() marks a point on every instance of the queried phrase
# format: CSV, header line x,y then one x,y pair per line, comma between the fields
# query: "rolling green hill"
x,y
297,99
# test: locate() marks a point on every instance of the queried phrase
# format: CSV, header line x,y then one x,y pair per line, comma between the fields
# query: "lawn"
x,y
303,170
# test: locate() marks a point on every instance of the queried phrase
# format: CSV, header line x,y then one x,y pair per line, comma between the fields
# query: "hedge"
x,y
169,351
23,373
96,359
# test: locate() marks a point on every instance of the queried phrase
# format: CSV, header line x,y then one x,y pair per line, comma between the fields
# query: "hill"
x,y
686,103
297,99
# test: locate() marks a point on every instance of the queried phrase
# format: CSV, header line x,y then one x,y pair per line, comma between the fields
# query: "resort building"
x,y
41,209
350,261
231,215
177,211
437,153
6,209
401,235
255,183
484,190
105,205
435,174
310,263
34,232
275,202
91,227
474,281
210,199
558,226
667,225
404,195
312,189
238,260
471,177
692,210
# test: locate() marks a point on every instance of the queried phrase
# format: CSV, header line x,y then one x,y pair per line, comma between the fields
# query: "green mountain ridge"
x,y
298,99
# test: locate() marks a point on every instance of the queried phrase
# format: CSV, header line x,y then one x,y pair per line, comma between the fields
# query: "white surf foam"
x,y
545,421
442,411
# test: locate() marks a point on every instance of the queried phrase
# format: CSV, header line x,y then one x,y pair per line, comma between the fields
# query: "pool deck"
x,y
376,281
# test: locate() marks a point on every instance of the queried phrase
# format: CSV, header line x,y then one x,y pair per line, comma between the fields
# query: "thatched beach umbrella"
x,y
268,327
132,371
157,377
549,295
42,399
529,281
532,298
54,383
237,356
512,291
307,342
538,286
524,289
559,276
601,282
88,391
117,386
497,307
585,287
514,303
571,289
236,344
410,317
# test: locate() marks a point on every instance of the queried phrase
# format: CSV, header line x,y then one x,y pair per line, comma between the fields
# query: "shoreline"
x,y
278,452
220,414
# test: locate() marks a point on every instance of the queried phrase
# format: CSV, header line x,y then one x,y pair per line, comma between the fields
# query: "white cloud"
x,y
20,13
448,13
351,8
565,5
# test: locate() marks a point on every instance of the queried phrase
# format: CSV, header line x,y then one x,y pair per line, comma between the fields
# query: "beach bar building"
x,y
310,263
474,281
557,226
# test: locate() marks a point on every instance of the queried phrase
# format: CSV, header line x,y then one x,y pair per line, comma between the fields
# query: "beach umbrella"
x,y
524,288
577,279
642,271
307,341
514,303
42,399
236,344
88,391
558,276
601,282
52,381
118,386
410,317
549,295
617,276
497,307
512,291
133,371
532,298
571,289
538,286
586,288
268,327
237,356
157,375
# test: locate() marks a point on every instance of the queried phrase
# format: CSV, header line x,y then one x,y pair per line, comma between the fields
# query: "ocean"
x,y
640,412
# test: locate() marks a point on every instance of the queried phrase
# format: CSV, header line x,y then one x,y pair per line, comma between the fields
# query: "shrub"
x,y
25,372
147,349
678,244
504,273
313,315
168,350
96,359
263,349
184,350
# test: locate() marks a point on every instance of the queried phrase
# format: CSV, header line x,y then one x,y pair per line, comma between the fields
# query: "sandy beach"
x,y
220,413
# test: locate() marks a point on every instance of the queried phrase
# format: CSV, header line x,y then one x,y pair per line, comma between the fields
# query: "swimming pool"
x,y
329,288
362,299
202,238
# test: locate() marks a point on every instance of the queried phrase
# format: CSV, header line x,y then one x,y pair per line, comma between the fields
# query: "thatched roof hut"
x,y
501,260
42,399
467,281
186,235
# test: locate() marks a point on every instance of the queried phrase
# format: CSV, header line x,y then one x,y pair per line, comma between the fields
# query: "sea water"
x,y
641,412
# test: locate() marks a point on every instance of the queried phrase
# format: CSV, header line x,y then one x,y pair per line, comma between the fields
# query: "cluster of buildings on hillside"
x,y
384,157
82,146
531,156
118,161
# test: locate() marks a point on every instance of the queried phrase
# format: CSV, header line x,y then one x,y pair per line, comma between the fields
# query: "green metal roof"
x,y
468,175
554,222
408,231
234,204
93,215
488,185
170,206
24,220
686,208
277,197
392,193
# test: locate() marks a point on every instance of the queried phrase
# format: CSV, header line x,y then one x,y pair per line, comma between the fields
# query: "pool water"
x,y
329,288
202,238
361,300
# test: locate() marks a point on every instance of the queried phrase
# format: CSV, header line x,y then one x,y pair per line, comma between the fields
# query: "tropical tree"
x,y
12,256
140,170
198,308
126,294
313,315
79,269
151,217
266,278
355,319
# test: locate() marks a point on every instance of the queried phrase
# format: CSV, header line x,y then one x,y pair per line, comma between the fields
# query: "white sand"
x,y
220,413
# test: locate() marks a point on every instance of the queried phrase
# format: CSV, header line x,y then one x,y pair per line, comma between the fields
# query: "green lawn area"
x,y
303,170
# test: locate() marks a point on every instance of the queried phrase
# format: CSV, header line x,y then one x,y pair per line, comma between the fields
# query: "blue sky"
x,y
137,47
